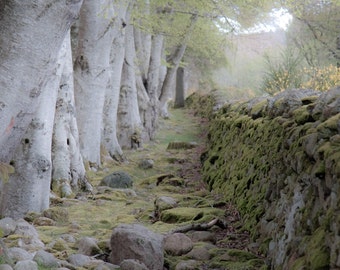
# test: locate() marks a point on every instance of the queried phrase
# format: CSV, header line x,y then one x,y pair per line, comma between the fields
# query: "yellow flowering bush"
x,y
322,79
316,78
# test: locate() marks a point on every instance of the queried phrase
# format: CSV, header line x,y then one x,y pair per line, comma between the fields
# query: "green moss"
x,y
302,115
58,214
258,109
299,264
185,214
318,255
329,127
253,264
241,255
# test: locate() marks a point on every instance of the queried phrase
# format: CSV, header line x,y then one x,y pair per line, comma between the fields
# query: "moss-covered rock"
x,y
186,214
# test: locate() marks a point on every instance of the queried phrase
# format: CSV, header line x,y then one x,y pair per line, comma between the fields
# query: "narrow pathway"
x,y
167,196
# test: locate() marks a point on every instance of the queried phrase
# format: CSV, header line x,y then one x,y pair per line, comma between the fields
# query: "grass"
x,y
95,216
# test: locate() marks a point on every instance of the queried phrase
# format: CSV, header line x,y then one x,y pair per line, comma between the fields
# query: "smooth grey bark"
x,y
144,106
68,175
31,34
28,189
129,123
91,73
143,52
153,84
175,59
109,136
338,48
180,88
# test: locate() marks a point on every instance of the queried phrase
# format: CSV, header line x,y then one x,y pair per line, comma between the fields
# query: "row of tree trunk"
x,y
64,103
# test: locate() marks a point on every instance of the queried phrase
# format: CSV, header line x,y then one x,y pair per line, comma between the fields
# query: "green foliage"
x,y
282,74
314,30
209,37
287,73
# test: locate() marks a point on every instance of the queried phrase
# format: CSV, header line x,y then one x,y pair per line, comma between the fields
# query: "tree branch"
x,y
201,227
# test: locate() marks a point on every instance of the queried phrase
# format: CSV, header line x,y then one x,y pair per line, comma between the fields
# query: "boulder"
x,y
134,241
117,180
5,267
7,226
132,265
79,260
146,164
177,244
18,254
29,236
187,265
46,259
26,265
164,203
88,246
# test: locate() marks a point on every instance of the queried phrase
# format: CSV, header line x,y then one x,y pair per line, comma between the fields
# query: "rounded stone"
x,y
177,244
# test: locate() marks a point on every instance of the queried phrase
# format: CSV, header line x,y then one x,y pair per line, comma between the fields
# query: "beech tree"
x,y
28,188
314,31
125,61
109,135
27,61
181,24
129,123
29,78
91,73
68,174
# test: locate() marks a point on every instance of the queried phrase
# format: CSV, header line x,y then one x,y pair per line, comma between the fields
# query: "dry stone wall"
x,y
278,159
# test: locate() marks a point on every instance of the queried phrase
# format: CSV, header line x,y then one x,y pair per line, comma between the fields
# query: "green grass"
x,y
97,215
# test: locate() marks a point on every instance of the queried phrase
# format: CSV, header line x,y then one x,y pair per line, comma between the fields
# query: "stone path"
x,y
167,196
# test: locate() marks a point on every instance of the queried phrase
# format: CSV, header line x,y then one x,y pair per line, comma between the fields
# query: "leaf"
x,y
5,171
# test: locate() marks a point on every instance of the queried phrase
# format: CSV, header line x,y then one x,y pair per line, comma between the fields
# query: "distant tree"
x,y
314,30
196,26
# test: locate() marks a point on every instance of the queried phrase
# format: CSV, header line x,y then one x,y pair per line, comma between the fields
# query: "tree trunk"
x,y
91,72
28,189
144,106
338,48
168,84
31,34
153,84
109,137
180,89
68,167
129,121
143,52
169,81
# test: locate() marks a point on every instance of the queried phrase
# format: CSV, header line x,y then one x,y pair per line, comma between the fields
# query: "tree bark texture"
x,y
168,84
28,189
180,89
91,72
31,33
153,84
68,168
129,121
109,136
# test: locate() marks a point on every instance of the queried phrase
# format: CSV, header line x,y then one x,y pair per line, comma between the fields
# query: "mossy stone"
x,y
117,179
185,214
58,214
302,115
